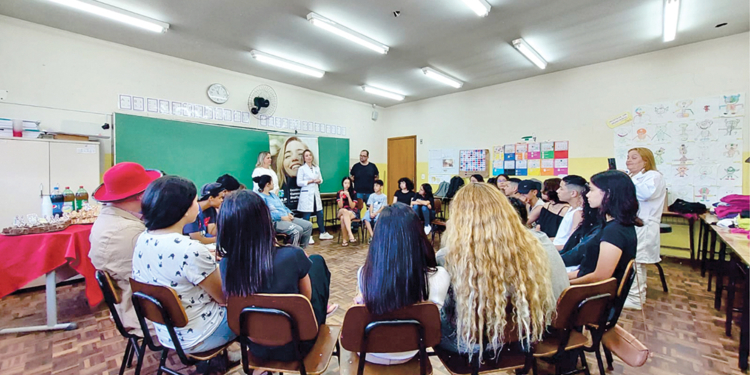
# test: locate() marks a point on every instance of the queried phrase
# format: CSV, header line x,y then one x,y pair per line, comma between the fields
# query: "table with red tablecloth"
x,y
25,258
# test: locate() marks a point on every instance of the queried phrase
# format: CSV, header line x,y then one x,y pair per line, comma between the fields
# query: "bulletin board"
x,y
474,162
531,159
697,144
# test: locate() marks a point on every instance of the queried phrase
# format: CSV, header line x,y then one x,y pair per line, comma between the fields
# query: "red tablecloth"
x,y
25,258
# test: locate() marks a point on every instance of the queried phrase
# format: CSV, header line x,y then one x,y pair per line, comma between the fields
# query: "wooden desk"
x,y
691,228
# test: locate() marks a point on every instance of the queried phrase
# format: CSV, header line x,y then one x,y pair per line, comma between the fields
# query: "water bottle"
x,y
57,201
68,200
82,198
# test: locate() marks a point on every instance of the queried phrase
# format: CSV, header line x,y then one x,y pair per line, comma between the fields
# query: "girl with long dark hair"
x,y
613,193
400,271
423,203
252,263
346,199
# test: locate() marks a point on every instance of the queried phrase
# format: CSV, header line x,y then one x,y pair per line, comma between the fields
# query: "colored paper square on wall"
x,y
521,148
533,155
520,156
561,146
510,149
509,164
561,166
522,164
534,147
548,154
510,156
497,172
520,172
548,171
534,164
561,171
510,172
561,154
548,163
548,146
535,171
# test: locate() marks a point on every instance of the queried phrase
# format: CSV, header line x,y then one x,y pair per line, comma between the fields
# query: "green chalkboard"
x,y
203,152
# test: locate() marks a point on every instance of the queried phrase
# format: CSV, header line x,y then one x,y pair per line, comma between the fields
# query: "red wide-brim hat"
x,y
124,180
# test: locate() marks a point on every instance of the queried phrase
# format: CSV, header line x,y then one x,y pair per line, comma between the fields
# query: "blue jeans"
x,y
321,220
221,336
425,214
364,197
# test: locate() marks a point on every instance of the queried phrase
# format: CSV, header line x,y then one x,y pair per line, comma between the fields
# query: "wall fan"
x,y
262,101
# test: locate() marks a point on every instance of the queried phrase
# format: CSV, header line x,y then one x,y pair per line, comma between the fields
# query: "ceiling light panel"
x,y
383,93
671,18
286,64
347,33
442,77
480,7
530,53
115,14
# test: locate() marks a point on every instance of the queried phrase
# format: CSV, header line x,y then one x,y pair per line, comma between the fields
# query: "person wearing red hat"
x,y
116,230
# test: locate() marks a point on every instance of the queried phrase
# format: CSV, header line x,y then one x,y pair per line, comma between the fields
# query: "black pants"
x,y
320,278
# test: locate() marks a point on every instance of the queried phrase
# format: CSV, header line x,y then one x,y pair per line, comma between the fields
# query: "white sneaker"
x,y
632,306
311,242
427,230
326,236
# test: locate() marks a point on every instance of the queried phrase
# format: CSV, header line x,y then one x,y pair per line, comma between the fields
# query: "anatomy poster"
x,y
697,144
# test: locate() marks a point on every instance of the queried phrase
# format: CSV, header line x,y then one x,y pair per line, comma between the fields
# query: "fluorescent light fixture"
x,y
671,17
116,14
529,52
383,93
286,64
442,77
480,7
347,33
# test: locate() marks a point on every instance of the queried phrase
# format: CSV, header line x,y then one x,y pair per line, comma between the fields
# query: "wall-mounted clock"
x,y
218,93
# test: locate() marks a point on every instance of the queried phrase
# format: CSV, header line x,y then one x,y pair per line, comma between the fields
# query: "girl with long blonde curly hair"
x,y
493,261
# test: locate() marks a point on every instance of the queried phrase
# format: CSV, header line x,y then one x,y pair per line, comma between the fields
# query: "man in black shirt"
x,y
364,175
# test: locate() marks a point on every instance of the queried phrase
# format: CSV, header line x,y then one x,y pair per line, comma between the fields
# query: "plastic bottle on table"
x,y
82,197
57,201
69,199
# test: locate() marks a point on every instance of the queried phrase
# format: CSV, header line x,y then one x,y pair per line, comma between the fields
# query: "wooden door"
x,y
402,162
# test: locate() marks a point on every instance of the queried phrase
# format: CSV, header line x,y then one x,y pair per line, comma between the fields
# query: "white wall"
x,y
574,104
69,81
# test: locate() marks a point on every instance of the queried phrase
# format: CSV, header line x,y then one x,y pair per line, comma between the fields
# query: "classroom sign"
x,y
531,159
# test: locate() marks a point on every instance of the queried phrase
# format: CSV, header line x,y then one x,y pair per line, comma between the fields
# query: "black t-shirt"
x,y
290,264
619,235
364,177
419,197
404,198
208,216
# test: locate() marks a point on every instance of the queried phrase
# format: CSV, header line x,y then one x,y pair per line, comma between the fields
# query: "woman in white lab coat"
x,y
309,180
651,191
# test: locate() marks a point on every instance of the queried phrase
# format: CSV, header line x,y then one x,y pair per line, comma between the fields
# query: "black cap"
x,y
524,187
230,183
211,189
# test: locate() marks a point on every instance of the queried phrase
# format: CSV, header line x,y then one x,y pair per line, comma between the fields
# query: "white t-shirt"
x,y
566,227
175,261
260,171
438,284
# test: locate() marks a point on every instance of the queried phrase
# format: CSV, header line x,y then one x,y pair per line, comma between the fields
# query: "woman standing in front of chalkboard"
x,y
309,179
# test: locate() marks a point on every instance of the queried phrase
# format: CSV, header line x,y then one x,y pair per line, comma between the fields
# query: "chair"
x,y
578,306
617,305
438,224
113,297
512,357
415,327
276,320
361,233
160,304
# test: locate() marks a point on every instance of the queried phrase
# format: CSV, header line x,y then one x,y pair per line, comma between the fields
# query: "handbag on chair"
x,y
623,344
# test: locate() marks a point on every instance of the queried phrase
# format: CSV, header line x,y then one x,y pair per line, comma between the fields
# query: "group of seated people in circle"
x,y
493,255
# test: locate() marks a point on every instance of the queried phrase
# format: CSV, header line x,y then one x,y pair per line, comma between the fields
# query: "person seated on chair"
x,y
501,181
253,263
298,230
375,203
548,217
229,183
572,189
399,271
558,274
423,204
346,199
501,264
204,227
511,188
164,256
476,178
116,230
405,191
586,236
613,193
528,191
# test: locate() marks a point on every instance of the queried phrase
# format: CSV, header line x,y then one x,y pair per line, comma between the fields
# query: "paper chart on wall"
x,y
443,162
697,144
531,159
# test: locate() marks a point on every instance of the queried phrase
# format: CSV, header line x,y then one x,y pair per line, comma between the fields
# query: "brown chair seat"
x,y
314,361
350,362
205,356
549,345
458,364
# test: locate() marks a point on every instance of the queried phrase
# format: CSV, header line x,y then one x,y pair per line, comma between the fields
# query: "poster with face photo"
x,y
286,154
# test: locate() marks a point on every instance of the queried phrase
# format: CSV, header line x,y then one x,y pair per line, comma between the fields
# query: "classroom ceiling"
x,y
443,34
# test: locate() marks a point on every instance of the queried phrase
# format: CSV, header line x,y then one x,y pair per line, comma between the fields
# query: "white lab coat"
x,y
309,193
651,190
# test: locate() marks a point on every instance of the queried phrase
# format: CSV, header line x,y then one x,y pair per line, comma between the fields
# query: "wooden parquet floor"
x,y
684,332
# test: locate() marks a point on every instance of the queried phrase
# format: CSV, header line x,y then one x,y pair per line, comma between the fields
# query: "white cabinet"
x,y
25,164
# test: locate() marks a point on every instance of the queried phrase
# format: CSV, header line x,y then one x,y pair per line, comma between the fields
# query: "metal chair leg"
x,y
663,280
608,356
126,357
599,361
